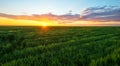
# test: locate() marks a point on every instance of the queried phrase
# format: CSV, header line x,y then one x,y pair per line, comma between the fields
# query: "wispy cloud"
x,y
66,18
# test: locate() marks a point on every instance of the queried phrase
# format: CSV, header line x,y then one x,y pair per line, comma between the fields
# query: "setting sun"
x,y
44,24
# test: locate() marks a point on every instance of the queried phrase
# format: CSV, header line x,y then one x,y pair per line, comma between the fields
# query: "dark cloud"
x,y
105,13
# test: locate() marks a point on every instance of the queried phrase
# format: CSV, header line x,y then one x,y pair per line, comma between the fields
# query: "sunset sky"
x,y
60,12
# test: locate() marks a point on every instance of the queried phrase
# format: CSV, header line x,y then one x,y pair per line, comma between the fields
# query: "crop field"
x,y
59,46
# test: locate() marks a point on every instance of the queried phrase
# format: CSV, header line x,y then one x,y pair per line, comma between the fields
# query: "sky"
x,y
60,12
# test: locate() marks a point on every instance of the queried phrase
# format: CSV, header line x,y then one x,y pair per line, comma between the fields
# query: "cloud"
x,y
6,15
66,18
95,14
102,14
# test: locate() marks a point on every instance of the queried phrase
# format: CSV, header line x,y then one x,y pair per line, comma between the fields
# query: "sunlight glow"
x,y
44,24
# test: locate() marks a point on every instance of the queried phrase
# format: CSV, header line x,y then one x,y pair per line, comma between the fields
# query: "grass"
x,y
59,46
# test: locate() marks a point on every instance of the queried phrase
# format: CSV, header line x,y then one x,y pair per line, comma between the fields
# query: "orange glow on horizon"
x,y
22,22
47,22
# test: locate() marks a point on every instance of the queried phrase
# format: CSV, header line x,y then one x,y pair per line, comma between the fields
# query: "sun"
x,y
44,24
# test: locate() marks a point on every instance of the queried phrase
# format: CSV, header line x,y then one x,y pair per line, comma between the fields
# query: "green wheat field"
x,y
59,46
